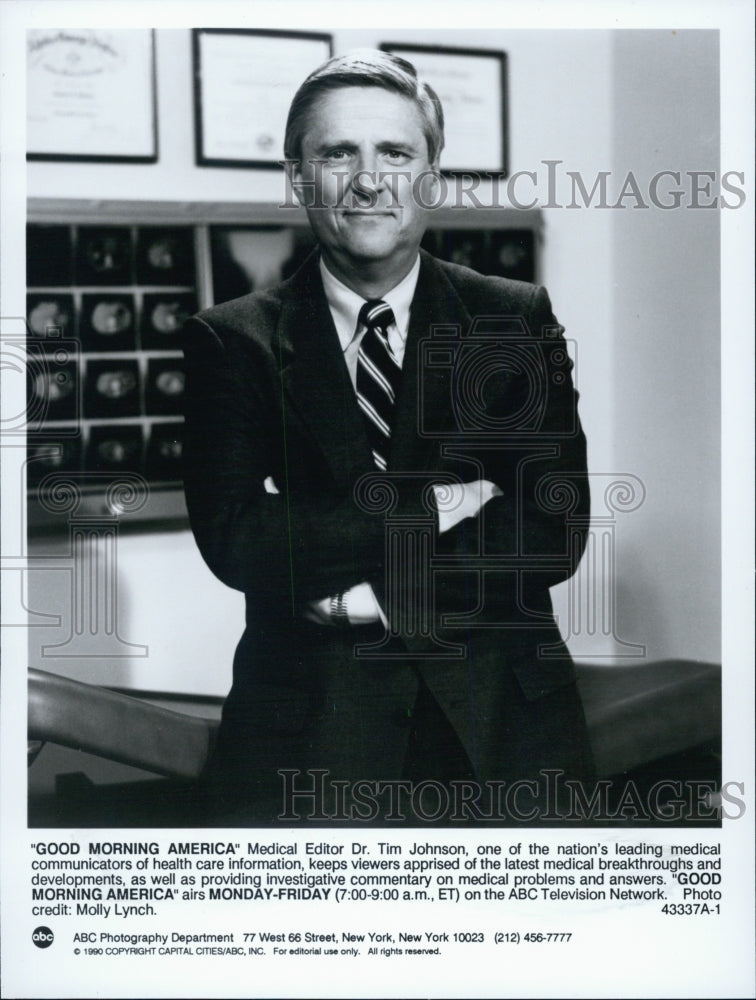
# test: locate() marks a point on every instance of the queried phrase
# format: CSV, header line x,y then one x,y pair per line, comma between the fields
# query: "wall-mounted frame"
x,y
472,86
244,81
90,95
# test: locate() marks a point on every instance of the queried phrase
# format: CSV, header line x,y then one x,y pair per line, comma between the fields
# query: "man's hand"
x,y
456,501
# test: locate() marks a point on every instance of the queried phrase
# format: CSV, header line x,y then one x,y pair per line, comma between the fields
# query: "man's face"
x,y
364,178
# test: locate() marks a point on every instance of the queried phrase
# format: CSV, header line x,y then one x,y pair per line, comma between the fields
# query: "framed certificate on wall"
x,y
91,95
244,81
472,87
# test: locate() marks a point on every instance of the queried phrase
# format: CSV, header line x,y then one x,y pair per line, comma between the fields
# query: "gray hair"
x,y
366,68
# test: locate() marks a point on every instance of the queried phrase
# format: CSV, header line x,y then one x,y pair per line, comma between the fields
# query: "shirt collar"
x,y
345,304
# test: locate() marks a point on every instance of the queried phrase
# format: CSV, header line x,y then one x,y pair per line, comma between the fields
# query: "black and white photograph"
x,y
377,481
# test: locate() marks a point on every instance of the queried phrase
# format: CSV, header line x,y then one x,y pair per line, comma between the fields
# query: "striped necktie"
x,y
378,374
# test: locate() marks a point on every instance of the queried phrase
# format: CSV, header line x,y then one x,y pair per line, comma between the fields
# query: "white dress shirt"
x,y
345,308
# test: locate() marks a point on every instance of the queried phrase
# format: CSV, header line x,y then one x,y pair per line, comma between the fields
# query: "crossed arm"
x,y
299,547
454,503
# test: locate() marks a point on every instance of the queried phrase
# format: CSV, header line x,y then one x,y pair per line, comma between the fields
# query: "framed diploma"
x,y
243,84
472,86
91,95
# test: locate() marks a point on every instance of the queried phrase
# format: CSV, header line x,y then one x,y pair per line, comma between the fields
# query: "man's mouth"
x,y
374,213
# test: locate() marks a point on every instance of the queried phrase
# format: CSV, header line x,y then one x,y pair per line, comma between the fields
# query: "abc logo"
x,y
43,937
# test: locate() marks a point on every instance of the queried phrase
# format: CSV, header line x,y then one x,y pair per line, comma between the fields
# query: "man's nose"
x,y
367,181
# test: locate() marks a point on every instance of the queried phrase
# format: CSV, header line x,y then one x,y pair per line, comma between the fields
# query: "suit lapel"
x,y
314,378
316,384
423,409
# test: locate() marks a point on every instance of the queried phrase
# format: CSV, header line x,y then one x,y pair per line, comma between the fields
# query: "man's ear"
x,y
436,181
430,188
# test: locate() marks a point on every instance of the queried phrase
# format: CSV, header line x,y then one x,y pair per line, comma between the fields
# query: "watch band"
x,y
339,615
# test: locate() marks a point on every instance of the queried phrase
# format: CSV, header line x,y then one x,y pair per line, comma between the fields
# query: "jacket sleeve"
x,y
286,548
535,531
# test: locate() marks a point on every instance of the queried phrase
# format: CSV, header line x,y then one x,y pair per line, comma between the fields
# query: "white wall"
x,y
666,326
584,98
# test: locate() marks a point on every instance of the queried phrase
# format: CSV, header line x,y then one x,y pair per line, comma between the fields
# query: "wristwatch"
x,y
339,615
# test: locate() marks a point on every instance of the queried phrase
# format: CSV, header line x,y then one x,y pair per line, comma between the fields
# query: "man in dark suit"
x,y
383,453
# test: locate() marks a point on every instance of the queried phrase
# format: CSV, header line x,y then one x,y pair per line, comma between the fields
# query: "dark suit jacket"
x,y
486,393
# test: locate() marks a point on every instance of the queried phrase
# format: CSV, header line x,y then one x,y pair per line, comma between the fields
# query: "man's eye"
x,y
336,154
396,154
